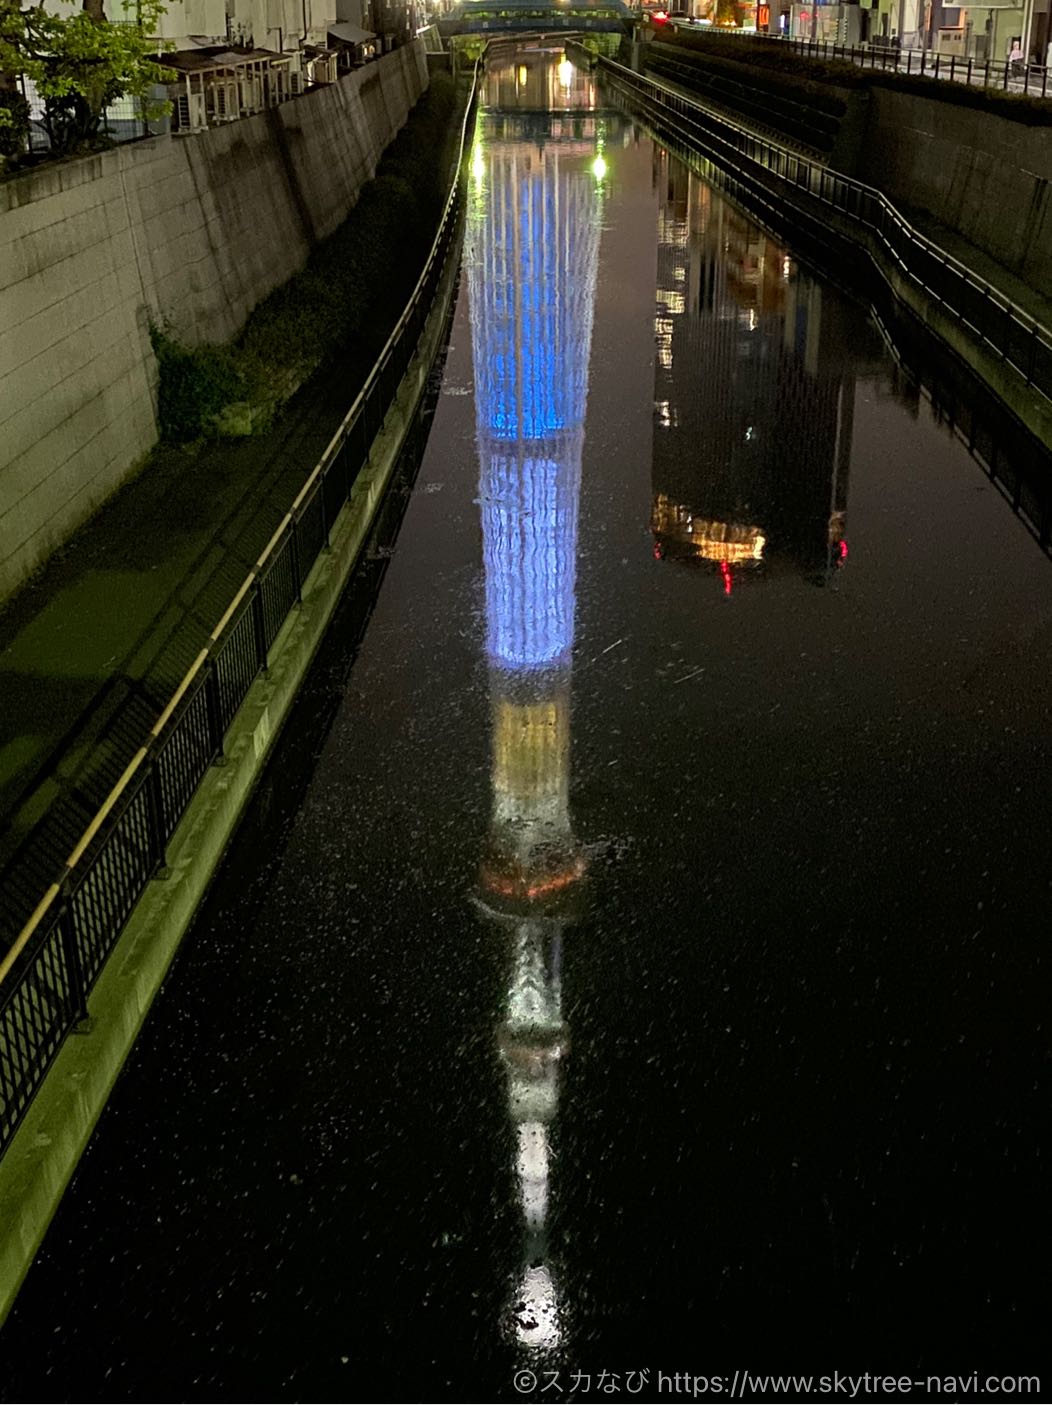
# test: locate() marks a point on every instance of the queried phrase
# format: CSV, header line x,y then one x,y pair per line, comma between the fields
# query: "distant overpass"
x,y
529,16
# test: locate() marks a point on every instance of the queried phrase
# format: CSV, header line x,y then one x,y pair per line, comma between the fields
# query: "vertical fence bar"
x,y
155,814
77,996
323,506
294,548
259,628
213,711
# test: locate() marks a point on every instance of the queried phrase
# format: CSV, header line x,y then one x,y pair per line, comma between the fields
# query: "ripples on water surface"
x,y
637,958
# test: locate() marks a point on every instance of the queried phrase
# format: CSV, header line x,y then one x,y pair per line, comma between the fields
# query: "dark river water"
x,y
634,958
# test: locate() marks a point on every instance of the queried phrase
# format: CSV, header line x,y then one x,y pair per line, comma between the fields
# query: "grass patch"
x,y
350,292
195,384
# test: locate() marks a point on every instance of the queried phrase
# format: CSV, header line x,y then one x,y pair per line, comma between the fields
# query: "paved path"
x,y
91,649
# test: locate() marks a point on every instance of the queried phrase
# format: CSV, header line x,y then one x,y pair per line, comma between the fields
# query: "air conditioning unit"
x,y
250,95
324,69
188,112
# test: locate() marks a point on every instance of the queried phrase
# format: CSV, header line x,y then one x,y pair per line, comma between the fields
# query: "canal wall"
x,y
188,231
42,1156
805,214
983,176
826,121
952,156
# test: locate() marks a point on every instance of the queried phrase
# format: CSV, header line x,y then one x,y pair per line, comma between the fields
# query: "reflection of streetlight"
x,y
599,167
565,72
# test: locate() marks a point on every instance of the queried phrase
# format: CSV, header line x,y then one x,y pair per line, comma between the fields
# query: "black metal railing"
x,y
1031,79
46,976
1018,339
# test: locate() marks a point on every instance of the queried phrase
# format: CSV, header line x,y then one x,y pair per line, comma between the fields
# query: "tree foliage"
x,y
80,63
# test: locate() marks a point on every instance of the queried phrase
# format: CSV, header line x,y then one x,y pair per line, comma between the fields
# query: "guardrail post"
x,y
259,632
1032,357
155,818
294,547
323,478
77,995
215,720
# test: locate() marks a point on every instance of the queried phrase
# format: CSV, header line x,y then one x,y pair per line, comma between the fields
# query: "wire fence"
x,y
47,975
1030,79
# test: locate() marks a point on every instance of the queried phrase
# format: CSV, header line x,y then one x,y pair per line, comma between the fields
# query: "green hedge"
x,y
350,292
811,73
194,385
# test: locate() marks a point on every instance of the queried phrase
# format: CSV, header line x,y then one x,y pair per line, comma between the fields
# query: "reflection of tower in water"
x,y
753,395
534,235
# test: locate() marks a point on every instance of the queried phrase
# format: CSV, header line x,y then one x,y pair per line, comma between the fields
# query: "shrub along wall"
x,y
352,288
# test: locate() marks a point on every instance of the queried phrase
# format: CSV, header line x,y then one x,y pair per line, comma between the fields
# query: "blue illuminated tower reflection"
x,y
533,246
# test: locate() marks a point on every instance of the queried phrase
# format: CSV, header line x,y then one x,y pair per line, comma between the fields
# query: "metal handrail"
x,y
778,161
915,63
267,558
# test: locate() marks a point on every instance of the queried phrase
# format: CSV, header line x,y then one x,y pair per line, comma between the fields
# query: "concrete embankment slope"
x,y
193,231
982,176
979,166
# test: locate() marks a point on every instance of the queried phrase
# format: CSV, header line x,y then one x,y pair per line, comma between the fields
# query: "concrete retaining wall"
x,y
983,176
195,230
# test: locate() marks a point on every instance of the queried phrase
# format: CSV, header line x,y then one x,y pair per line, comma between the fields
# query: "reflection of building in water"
x,y
534,235
753,395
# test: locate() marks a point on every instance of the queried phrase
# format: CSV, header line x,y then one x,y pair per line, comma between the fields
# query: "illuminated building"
x,y
533,241
753,396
